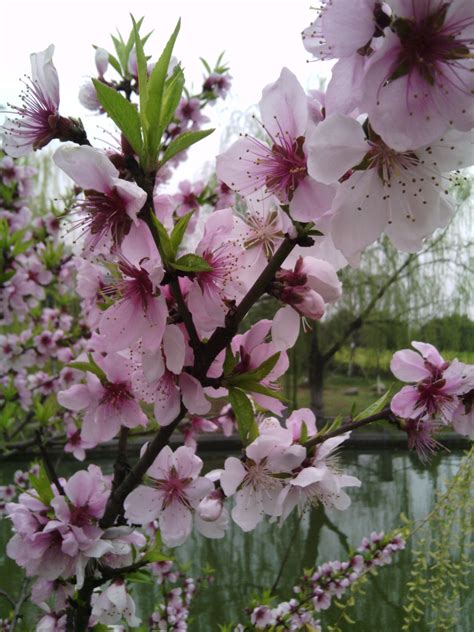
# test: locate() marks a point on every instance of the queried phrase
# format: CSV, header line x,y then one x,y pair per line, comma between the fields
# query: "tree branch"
x,y
386,413
358,322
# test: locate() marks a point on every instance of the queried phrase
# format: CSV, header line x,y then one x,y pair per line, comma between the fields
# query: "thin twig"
x,y
286,556
48,465
386,413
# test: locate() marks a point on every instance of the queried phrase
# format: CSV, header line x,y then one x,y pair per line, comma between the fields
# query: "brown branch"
x,y
136,474
386,413
48,465
358,322
222,336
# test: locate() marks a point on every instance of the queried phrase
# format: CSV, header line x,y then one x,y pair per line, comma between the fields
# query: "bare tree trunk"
x,y
316,374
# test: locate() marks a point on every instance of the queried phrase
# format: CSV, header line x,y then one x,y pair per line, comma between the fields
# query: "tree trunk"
x,y
316,374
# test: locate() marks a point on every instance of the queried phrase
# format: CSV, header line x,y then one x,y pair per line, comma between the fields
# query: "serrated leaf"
x,y
179,231
377,406
183,142
122,112
192,263
244,414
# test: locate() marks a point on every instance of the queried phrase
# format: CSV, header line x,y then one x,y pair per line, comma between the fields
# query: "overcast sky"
x,y
259,37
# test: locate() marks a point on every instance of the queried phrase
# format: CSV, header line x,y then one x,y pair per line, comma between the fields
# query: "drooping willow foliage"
x,y
442,567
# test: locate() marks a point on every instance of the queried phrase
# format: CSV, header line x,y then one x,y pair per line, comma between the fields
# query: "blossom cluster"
x,y
178,590
276,475
372,153
166,277
441,393
328,581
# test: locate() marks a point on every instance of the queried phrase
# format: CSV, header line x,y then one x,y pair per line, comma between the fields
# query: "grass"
x,y
336,401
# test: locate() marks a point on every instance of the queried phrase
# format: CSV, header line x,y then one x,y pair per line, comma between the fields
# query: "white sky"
x,y
259,38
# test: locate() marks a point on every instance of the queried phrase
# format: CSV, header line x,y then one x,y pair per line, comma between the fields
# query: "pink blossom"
x,y
254,349
88,96
305,289
262,229
211,292
439,384
38,116
278,167
318,482
175,491
76,444
140,303
350,32
101,59
60,545
403,194
110,204
194,427
188,197
113,605
253,482
296,420
419,82
108,405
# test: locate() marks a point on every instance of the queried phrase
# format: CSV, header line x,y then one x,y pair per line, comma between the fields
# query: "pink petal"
x,y
429,352
193,395
285,328
335,146
174,348
77,397
88,167
311,200
284,107
408,366
176,523
233,474
143,505
132,195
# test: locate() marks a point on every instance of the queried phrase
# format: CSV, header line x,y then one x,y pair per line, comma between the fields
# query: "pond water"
x,y
245,564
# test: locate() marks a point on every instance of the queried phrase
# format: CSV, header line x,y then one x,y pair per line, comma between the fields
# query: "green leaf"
x,y
122,112
42,486
206,65
92,367
303,433
154,98
179,231
376,407
243,409
140,577
164,242
192,263
230,361
142,77
256,375
183,142
171,96
255,387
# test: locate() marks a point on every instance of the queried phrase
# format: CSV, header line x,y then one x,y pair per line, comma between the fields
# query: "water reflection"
x,y
246,564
